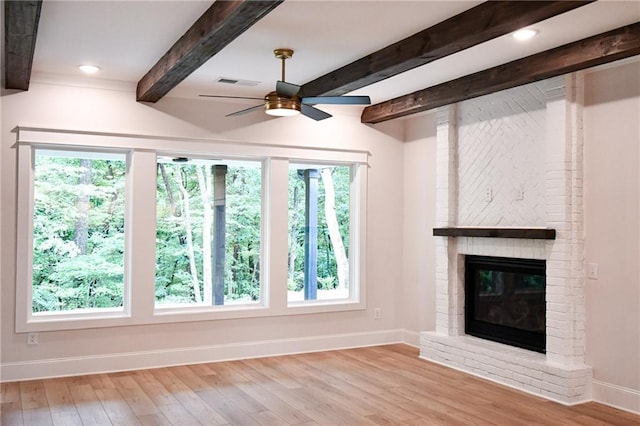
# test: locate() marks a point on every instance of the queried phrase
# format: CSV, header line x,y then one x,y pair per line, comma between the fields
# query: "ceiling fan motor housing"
x,y
280,105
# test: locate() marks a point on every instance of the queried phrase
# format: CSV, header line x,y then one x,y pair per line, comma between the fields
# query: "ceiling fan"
x,y
286,100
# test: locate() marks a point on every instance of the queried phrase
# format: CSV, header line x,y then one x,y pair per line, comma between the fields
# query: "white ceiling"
x,y
126,38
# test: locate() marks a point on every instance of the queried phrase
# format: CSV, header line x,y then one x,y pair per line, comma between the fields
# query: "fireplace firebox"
x,y
505,300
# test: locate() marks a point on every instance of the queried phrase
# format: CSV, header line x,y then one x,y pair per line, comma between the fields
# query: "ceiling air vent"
x,y
236,81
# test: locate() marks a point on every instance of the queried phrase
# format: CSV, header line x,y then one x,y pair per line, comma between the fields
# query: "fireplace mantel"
x,y
526,233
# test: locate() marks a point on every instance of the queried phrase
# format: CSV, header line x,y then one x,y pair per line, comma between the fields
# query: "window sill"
x,y
195,314
319,306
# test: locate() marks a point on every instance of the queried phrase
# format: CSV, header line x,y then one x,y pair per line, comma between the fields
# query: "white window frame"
x,y
24,272
355,207
139,306
168,311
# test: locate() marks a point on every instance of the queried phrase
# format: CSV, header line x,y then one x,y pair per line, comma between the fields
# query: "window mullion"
x,y
277,224
141,214
358,205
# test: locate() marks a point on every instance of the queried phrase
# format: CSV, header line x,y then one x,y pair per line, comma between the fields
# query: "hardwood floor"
x,y
384,385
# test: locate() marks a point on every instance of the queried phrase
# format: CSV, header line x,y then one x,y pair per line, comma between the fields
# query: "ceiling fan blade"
x,y
287,89
244,111
230,97
314,113
337,100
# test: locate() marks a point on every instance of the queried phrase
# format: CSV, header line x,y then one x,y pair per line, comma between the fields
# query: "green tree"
x,y
78,238
333,197
184,222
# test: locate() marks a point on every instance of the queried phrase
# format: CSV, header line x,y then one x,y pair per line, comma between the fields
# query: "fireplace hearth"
x,y
505,300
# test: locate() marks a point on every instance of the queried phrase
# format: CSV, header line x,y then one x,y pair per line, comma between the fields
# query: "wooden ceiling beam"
x,y
477,25
21,20
607,47
222,23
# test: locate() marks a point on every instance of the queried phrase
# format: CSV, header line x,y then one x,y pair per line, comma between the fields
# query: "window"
x,y
122,230
208,226
319,224
78,231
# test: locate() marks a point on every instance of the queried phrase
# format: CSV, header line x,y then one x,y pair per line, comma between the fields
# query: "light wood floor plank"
x,y
10,404
37,416
135,397
116,407
100,381
88,403
32,395
384,385
188,398
154,420
61,406
177,414
153,388
267,418
277,406
228,409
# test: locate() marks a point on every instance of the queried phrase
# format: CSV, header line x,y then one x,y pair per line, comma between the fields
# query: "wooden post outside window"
x,y
219,231
311,234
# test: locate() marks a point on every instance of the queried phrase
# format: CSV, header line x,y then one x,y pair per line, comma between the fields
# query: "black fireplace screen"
x,y
505,300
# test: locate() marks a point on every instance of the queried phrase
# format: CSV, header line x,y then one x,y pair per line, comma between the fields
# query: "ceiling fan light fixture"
x,y
280,106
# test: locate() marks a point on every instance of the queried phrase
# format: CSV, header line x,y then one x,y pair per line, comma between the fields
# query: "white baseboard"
x,y
75,366
616,396
411,338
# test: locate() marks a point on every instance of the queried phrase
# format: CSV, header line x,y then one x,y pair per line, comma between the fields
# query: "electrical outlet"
x,y
520,194
377,313
488,195
592,271
32,338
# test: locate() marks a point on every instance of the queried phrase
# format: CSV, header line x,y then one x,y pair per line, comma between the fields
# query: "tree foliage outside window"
x,y
333,232
78,231
185,232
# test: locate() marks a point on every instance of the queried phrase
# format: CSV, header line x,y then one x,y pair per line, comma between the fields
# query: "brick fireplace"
x,y
508,161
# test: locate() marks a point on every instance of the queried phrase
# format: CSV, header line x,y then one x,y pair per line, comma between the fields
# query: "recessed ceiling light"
x,y
525,34
89,69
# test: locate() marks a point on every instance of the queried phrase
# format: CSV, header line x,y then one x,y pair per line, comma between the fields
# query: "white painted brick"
x,y
454,359
530,388
557,324
534,373
558,359
554,396
577,391
472,364
558,308
480,136
499,372
521,379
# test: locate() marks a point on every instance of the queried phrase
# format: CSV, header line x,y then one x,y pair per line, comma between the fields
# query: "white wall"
x,y
417,306
612,219
115,110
